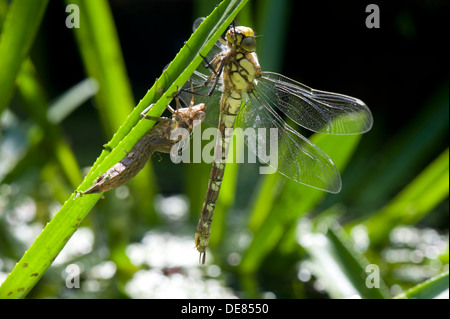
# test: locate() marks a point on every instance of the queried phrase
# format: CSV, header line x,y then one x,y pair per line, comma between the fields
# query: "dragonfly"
x,y
164,137
245,97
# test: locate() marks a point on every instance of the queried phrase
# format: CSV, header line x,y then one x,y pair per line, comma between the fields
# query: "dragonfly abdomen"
x,y
212,194
240,69
226,122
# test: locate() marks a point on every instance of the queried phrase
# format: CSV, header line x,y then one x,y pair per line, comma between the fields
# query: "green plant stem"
x,y
102,57
19,30
436,288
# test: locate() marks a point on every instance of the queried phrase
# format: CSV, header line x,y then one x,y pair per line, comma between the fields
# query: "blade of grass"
x,y
36,104
100,50
341,270
283,203
35,101
52,239
71,99
19,30
102,57
434,288
44,135
3,11
418,198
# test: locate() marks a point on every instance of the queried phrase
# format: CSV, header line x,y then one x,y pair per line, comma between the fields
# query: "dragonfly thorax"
x,y
240,71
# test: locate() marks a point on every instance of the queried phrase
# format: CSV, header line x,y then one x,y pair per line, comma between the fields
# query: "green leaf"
x,y
434,288
36,104
281,202
56,234
100,50
402,155
19,30
71,100
418,198
343,272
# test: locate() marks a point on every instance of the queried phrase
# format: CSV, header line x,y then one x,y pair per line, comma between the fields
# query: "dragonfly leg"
x,y
216,80
154,118
215,74
202,258
208,65
78,194
176,96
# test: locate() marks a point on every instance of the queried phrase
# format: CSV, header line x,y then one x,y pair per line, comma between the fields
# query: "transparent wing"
x,y
285,150
212,102
314,110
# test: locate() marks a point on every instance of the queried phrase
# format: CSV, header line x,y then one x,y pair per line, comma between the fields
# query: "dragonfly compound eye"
x,y
249,44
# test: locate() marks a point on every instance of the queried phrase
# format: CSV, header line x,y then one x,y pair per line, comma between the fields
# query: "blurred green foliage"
x,y
271,237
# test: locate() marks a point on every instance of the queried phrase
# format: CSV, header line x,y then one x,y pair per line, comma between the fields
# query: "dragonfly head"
x,y
241,37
